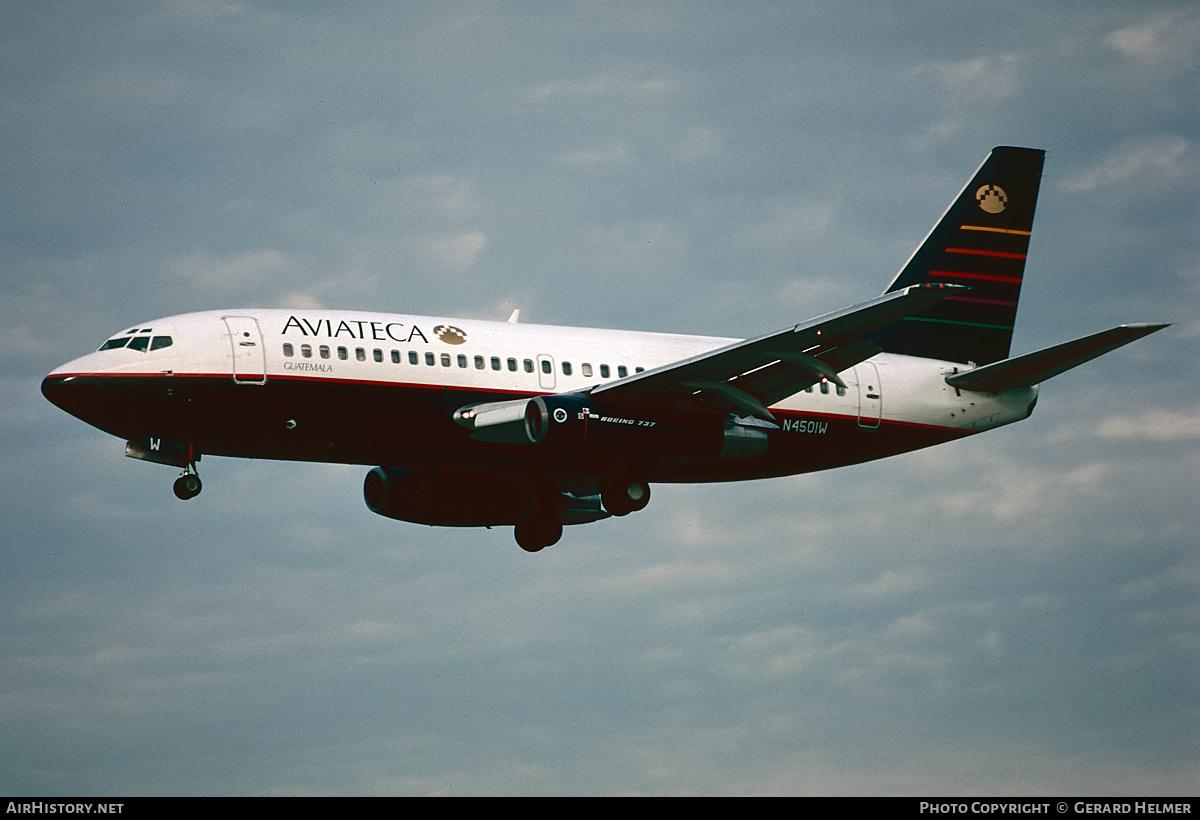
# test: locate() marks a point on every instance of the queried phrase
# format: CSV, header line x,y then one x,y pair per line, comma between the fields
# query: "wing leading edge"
x,y
745,378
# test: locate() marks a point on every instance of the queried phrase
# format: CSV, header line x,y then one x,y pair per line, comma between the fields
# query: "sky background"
x,y
1015,613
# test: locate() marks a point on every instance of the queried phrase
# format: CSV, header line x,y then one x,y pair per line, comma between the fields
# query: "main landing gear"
x,y
188,485
540,528
623,496
542,524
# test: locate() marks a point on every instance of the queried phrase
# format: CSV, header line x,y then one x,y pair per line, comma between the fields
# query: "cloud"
x,y
802,634
20,341
637,249
1165,38
979,78
1152,425
789,225
1005,490
809,295
891,584
610,154
300,300
205,271
450,197
202,11
1157,158
455,252
605,86
970,89
699,143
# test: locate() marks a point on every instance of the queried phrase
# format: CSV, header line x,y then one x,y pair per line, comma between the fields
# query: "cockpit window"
x,y
142,343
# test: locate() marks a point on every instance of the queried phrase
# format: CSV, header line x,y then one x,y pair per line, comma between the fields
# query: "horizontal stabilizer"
x,y
1032,368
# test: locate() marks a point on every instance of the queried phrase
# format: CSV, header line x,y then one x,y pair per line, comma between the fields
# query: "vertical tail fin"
x,y
981,241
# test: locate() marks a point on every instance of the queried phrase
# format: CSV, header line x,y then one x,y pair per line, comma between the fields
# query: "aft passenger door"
x,y
245,341
870,394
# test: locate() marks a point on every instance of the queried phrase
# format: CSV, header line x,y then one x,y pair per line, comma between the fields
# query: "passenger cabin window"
x,y
360,354
604,371
462,360
288,350
324,351
546,368
587,370
343,354
622,371
479,363
528,365
306,351
377,354
495,363
445,360
395,357
413,358
512,365
430,360
566,366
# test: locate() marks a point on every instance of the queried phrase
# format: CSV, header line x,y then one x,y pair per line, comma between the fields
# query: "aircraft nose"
x,y
70,393
78,395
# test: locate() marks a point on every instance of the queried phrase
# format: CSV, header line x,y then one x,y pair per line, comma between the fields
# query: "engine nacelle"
x,y
500,422
440,499
575,423
460,499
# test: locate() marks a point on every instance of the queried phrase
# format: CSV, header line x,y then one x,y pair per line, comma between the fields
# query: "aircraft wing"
x,y
746,377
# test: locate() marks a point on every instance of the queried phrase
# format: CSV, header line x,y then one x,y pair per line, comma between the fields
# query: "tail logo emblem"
x,y
992,198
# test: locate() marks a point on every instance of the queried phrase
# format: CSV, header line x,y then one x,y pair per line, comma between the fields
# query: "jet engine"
x,y
462,499
575,423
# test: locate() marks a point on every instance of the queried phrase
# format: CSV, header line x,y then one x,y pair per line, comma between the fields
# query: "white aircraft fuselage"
x,y
477,423
371,388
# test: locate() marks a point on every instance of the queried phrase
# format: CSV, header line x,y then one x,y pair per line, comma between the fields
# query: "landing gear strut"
x,y
188,485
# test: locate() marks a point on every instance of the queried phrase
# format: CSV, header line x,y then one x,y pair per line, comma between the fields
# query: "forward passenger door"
x,y
245,341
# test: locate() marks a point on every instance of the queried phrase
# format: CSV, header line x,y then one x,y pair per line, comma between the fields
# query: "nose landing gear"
x,y
188,485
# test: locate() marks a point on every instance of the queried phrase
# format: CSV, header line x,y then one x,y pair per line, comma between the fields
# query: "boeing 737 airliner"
x,y
474,423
